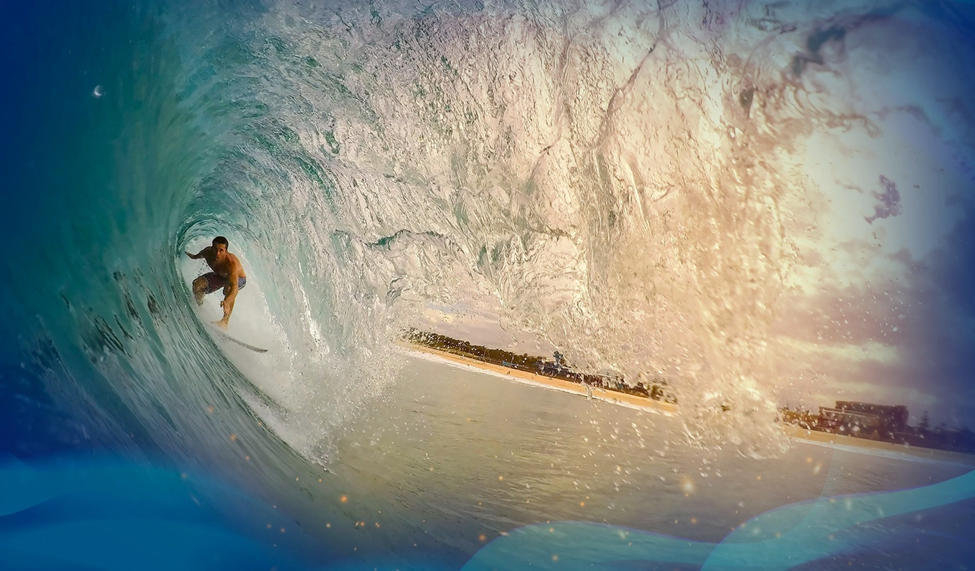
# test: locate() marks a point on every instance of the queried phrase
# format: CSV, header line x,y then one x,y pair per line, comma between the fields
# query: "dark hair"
x,y
221,240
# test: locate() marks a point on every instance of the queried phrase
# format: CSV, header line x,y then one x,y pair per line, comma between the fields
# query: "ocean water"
x,y
651,188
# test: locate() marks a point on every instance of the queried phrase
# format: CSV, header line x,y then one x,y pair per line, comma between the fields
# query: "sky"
x,y
882,307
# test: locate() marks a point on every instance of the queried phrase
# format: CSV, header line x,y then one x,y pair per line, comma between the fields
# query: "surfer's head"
x,y
220,244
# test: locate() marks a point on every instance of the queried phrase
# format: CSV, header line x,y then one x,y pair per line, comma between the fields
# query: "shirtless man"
x,y
228,273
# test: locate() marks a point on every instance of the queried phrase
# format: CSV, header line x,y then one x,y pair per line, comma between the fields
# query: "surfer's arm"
x,y
197,256
228,301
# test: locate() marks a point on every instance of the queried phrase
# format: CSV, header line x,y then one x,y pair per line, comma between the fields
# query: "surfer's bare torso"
x,y
228,274
222,267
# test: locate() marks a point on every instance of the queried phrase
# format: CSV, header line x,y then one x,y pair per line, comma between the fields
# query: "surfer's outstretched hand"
x,y
223,323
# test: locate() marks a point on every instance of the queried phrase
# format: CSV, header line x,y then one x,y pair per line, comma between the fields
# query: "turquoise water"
x,y
458,166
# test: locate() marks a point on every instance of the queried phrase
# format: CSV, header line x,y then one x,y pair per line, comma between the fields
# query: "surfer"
x,y
228,273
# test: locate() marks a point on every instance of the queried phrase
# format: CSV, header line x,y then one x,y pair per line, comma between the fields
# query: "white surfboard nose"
x,y
229,337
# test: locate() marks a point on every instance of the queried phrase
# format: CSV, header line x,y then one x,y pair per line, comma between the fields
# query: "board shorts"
x,y
215,281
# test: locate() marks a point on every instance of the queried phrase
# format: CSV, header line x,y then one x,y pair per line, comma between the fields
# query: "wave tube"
x,y
641,186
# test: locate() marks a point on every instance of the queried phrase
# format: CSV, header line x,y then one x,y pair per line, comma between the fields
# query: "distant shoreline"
x,y
815,437
833,439
632,401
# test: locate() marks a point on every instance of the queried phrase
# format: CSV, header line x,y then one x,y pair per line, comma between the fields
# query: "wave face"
x,y
618,179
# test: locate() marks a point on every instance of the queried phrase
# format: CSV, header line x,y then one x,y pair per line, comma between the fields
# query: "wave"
x,y
387,161
610,178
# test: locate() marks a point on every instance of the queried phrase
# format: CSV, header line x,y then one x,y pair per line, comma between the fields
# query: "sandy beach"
x,y
886,448
668,409
622,399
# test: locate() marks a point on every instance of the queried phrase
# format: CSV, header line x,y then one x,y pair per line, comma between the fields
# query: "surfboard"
x,y
228,337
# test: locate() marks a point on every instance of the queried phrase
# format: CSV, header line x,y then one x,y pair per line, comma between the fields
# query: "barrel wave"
x,y
757,202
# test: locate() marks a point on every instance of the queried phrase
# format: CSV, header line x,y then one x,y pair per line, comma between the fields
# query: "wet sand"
x,y
841,440
622,399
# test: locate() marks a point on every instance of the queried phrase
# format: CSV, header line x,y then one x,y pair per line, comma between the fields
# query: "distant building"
x,y
841,421
862,419
893,419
